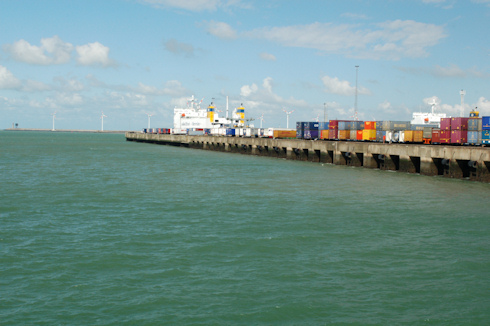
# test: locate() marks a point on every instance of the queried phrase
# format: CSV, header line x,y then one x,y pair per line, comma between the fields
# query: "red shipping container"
x,y
359,135
370,125
445,124
333,134
333,124
459,136
459,123
436,136
445,137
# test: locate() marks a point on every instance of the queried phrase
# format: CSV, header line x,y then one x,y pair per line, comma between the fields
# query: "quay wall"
x,y
464,162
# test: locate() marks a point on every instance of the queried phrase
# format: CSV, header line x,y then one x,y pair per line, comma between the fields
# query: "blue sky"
x,y
128,58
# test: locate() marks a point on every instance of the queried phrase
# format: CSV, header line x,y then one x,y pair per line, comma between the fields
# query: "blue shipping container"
x,y
485,137
230,132
323,125
311,125
474,137
473,124
485,123
311,134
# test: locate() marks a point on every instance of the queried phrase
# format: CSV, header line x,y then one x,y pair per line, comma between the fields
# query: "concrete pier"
x,y
463,162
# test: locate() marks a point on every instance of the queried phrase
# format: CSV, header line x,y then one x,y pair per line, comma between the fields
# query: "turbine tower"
x,y
261,120
462,93
102,118
287,121
54,116
150,115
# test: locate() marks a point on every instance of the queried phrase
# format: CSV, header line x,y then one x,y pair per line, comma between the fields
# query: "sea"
x,y
95,230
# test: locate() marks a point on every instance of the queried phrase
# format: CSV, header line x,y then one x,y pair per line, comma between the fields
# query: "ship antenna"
x,y
433,104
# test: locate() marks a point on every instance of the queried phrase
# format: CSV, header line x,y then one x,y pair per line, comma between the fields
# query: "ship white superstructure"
x,y
195,117
427,118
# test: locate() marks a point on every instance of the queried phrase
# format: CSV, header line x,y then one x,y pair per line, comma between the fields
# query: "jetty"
x,y
453,161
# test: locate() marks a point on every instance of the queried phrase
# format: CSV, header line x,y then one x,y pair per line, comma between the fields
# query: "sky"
x,y
127,59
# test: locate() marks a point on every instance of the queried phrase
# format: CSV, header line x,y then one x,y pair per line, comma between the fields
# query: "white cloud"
x,y
196,5
52,51
247,90
342,87
221,30
8,80
267,56
389,40
93,54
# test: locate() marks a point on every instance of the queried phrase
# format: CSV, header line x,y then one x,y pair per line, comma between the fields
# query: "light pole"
x,y
355,104
462,93
287,120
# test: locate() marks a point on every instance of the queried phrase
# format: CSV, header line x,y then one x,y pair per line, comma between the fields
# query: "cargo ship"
x,y
428,118
196,118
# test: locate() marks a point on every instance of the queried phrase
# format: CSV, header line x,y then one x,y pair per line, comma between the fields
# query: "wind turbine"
x,y
149,115
102,118
287,120
261,120
54,115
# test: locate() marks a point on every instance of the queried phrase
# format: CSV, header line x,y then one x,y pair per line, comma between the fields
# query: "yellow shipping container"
x,y
369,134
284,133
418,136
409,136
344,134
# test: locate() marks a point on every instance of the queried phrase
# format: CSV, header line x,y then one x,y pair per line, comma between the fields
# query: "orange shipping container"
x,y
369,134
418,136
344,134
370,125
324,134
284,133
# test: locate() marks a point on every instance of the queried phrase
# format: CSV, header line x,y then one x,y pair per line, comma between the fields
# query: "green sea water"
x,y
95,230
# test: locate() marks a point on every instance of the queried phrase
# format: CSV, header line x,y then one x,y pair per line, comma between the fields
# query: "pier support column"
x,y
427,166
205,145
338,159
369,161
289,153
255,150
227,147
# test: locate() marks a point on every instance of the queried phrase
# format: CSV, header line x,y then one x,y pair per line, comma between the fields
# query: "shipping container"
x,y
369,125
474,137
284,133
344,125
418,136
436,136
445,124
459,136
427,132
394,125
356,125
353,134
485,123
333,134
380,136
230,132
485,137
445,137
474,124
369,134
311,125
344,134
324,133
300,130
359,134
323,125
459,123
333,124
311,134
401,136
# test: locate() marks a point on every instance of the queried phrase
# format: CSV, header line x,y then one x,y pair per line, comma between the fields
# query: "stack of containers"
x,y
300,131
380,133
459,130
323,130
474,131
355,127
445,133
344,129
310,130
333,129
436,136
369,131
485,136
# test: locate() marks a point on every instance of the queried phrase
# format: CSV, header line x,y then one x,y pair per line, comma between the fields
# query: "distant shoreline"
x,y
68,130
